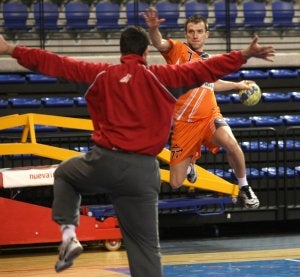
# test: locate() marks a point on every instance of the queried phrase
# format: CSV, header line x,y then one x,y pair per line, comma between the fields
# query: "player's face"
x,y
196,35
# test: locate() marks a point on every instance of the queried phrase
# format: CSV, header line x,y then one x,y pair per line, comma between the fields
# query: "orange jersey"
x,y
197,103
194,113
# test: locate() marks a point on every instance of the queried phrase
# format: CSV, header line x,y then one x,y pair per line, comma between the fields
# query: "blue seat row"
x,y
255,14
14,78
263,121
258,173
264,74
77,14
289,145
38,128
253,146
265,97
241,74
265,146
30,102
281,171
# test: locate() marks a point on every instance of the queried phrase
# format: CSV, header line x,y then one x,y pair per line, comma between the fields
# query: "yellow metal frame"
x,y
29,145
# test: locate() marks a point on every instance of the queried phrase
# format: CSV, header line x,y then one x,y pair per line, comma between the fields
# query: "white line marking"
x,y
292,260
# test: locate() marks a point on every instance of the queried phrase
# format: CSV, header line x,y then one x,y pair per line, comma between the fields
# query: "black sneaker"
x,y
248,196
68,252
192,176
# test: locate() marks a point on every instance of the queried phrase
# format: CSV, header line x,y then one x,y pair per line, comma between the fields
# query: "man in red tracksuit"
x,y
131,106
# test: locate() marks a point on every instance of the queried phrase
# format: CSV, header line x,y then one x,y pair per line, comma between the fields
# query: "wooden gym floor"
x,y
256,255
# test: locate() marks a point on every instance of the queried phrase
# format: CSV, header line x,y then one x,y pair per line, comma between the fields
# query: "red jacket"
x,y
130,104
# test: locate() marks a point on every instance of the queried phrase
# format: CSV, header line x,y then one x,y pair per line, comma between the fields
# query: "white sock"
x,y
68,231
243,181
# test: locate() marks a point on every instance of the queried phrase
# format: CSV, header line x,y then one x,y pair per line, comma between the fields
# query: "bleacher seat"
x,y
254,74
222,98
46,16
295,95
254,173
15,15
203,149
39,78
195,7
254,14
283,13
275,97
44,128
77,16
22,157
233,76
275,172
290,119
12,78
79,101
257,146
221,150
235,98
289,144
83,149
24,102
266,120
238,121
221,173
220,15
17,129
3,103
283,73
107,15
293,144
170,12
57,102
251,173
133,10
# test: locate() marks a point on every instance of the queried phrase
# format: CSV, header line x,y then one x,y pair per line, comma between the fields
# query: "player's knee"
x,y
176,182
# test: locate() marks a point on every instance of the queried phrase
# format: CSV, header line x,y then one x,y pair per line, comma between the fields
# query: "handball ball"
x,y
250,97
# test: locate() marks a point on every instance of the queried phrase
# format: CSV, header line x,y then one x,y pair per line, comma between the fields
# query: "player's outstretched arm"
x,y
5,47
153,23
255,50
222,85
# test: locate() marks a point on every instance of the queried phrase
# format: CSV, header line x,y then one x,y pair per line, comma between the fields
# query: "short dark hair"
x,y
196,19
134,40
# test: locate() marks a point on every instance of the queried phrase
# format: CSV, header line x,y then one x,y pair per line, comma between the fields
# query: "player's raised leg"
x,y
179,171
224,137
185,150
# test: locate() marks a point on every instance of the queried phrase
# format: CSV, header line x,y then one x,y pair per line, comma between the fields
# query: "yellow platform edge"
x,y
28,145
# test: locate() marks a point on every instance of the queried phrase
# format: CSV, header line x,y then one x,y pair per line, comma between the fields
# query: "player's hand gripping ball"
x,y
250,97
